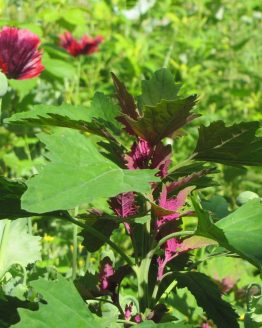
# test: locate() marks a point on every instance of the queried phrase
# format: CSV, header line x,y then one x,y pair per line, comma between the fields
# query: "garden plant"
x,y
126,183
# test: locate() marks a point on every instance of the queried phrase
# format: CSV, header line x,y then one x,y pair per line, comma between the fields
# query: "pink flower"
x,y
19,55
128,311
144,156
124,206
138,318
170,248
106,272
173,204
86,46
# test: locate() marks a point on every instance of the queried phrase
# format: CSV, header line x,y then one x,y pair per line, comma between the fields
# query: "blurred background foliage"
x,y
213,48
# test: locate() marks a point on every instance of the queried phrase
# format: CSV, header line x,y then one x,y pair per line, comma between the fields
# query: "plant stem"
x,y
74,260
166,238
131,323
100,236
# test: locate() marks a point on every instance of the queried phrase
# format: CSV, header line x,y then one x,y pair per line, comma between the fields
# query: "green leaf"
x,y
243,230
105,226
63,306
206,228
77,173
208,297
217,205
59,68
10,194
160,86
233,145
8,310
228,232
95,119
163,119
17,246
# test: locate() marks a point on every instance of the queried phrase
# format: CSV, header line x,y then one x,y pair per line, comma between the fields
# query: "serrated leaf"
x,y
77,173
233,145
195,174
17,246
98,119
126,100
163,119
63,305
160,86
208,297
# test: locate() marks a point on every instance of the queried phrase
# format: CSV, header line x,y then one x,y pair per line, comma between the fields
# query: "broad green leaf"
x,y
17,246
163,119
63,306
208,297
233,145
160,86
96,119
239,232
77,173
243,231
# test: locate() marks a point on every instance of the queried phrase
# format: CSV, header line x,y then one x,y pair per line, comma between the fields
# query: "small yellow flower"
x,y
47,238
80,247
242,317
81,263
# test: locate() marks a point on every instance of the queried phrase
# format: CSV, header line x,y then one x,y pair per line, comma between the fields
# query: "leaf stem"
x,y
100,236
131,323
170,236
74,259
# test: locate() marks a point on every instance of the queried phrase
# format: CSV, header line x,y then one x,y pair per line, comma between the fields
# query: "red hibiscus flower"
x,y
20,58
86,46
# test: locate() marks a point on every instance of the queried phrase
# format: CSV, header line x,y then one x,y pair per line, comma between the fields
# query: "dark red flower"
x,y
20,58
86,46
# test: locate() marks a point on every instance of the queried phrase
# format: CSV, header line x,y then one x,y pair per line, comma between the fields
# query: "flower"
x,y
128,311
106,272
170,223
172,204
144,156
86,46
124,206
19,57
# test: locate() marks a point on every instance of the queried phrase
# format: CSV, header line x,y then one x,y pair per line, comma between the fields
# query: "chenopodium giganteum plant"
x,y
129,163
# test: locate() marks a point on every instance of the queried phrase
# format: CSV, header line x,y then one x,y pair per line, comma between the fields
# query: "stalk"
x,y
74,260
99,235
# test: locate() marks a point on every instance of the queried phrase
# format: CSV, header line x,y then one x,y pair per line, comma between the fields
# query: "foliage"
x,y
147,202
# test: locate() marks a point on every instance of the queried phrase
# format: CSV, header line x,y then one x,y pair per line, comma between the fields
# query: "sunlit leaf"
x,y
77,173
